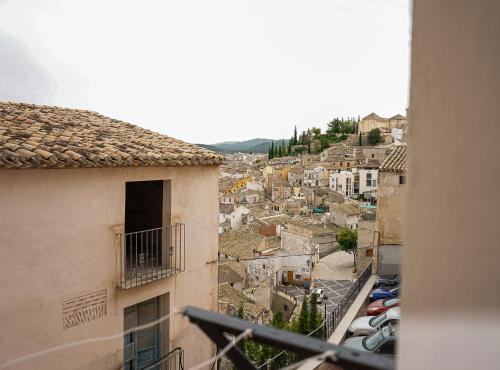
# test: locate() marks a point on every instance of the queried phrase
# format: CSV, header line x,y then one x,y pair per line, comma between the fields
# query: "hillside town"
x,y
280,185
280,221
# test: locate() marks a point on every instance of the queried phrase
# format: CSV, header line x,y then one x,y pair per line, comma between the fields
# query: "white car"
x,y
320,294
366,325
382,341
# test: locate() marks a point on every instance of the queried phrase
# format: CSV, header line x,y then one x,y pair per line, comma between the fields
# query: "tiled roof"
x,y
228,275
38,136
236,299
398,116
241,242
375,116
396,160
350,209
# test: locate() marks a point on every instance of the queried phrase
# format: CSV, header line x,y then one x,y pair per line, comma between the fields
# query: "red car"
x,y
381,305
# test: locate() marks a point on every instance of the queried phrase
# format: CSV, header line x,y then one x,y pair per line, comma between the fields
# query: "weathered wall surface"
x,y
389,259
283,303
391,199
294,243
58,241
451,243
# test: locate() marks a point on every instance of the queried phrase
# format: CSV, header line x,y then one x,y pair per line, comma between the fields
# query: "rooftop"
x,y
236,299
350,208
396,160
228,275
40,136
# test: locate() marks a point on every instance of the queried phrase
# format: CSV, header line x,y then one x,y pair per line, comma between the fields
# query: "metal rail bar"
x,y
215,325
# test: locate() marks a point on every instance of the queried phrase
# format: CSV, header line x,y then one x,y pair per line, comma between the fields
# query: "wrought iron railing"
x,y
174,360
334,317
150,255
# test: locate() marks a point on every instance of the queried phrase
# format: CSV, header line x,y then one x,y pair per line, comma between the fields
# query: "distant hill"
x,y
247,146
210,147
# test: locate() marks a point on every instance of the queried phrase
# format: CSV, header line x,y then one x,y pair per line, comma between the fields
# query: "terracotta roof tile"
x,y
237,299
396,160
38,136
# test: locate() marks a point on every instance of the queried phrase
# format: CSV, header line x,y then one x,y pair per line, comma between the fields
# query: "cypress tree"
x,y
280,152
304,317
360,141
275,151
314,318
295,141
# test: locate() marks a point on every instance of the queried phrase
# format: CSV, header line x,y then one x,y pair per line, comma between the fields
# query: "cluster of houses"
x,y
278,217
107,226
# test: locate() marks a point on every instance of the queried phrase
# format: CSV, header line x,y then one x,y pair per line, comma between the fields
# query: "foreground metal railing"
x,y
174,360
217,327
150,255
334,317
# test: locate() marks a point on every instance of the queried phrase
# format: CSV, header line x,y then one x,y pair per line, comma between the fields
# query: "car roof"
x,y
394,313
390,331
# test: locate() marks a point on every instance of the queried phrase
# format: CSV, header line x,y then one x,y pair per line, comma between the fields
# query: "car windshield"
x,y
377,320
390,302
395,290
371,341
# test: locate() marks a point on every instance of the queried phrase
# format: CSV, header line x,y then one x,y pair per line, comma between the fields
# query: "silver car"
x,y
368,324
320,295
382,341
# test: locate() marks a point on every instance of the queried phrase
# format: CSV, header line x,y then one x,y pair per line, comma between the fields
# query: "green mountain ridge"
x,y
258,145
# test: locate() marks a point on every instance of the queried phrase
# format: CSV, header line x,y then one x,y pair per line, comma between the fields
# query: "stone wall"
x,y
391,197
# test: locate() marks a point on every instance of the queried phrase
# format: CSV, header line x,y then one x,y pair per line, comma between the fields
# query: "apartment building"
x,y
105,226
354,182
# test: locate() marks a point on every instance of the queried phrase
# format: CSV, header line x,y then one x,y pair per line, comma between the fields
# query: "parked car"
x,y
382,341
381,305
384,293
387,280
320,295
368,324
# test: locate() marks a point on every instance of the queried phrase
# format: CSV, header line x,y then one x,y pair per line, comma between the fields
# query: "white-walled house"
x,y
255,185
345,214
236,215
316,175
344,182
367,180
356,181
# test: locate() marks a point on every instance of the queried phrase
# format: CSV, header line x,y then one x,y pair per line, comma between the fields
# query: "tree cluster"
x,y
278,151
348,241
314,141
374,136
308,321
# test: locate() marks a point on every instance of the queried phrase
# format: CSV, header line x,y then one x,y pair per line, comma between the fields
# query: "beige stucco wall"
x,y
391,199
57,241
452,249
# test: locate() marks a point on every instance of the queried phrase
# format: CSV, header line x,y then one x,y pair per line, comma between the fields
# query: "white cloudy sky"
x,y
208,71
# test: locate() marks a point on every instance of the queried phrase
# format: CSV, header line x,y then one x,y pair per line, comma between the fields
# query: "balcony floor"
x,y
147,275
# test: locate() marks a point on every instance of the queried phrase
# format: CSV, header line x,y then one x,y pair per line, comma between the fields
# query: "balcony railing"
x,y
174,360
150,255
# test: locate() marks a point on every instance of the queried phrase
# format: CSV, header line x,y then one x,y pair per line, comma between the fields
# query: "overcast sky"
x,y
209,70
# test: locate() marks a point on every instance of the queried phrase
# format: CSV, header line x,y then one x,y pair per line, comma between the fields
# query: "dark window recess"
x,y
143,205
402,180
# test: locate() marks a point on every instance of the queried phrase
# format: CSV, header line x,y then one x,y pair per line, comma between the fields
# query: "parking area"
x,y
334,289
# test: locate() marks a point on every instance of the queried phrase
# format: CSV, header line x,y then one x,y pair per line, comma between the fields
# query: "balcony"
x,y
149,255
